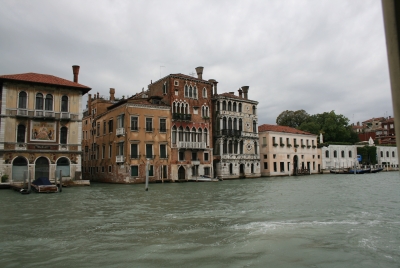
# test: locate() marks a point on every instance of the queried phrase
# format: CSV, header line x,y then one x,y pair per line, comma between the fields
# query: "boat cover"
x,y
42,181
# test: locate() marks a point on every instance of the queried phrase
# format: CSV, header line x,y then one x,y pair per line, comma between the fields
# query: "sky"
x,y
316,55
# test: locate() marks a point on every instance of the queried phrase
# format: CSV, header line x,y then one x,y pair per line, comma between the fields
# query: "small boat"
x,y
43,185
203,178
376,170
359,171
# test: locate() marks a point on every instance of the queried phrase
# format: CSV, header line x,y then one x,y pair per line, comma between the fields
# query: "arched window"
x,y
230,147
63,135
240,125
39,101
225,147
327,154
186,91
22,98
254,109
21,133
195,92
234,106
63,165
190,91
224,123
48,105
204,93
230,123
350,154
165,88
381,153
224,106
387,153
174,135
241,147
229,106
240,107
193,135
342,154
187,134
64,104
254,126
235,123
180,133
335,154
200,134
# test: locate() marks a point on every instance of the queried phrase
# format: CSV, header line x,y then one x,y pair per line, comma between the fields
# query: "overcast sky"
x,y
315,55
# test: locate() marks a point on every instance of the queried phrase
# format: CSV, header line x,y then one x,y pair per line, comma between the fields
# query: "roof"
x,y
374,119
183,76
45,79
284,129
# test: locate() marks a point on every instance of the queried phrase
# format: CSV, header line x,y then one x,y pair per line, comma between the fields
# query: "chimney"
x,y
89,104
240,93
245,91
75,71
232,93
98,95
112,92
199,71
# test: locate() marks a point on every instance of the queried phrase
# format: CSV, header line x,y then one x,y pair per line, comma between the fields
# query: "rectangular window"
x,y
265,165
194,156
103,152
104,127
134,151
149,124
164,172
110,169
110,151
206,157
98,129
120,148
110,126
273,141
134,171
163,151
163,125
207,171
151,171
149,151
181,156
120,121
282,166
275,169
102,169
134,123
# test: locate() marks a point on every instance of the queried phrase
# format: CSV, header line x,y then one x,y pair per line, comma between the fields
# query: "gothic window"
x,y
180,134
190,91
39,101
22,98
229,106
195,93
64,104
234,106
186,91
174,135
240,107
224,106
204,93
49,102
21,133
240,125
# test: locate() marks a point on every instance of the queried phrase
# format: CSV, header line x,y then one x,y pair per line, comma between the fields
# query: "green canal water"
x,y
311,221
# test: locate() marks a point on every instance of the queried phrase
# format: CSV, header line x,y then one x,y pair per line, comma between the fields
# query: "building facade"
x,y
387,157
338,157
41,126
288,151
236,145
122,138
190,129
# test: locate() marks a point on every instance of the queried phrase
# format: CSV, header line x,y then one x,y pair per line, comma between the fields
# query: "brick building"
x,y
189,100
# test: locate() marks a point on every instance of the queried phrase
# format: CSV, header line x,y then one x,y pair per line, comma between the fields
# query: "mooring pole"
x,y
147,175
55,177
60,188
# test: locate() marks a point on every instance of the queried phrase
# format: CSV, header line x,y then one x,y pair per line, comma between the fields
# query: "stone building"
x,y
338,157
387,157
236,146
288,151
120,136
40,125
190,129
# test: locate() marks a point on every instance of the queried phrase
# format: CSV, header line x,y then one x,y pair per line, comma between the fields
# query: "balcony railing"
x,y
230,132
39,113
65,116
135,156
191,145
119,159
120,131
196,162
22,112
184,117
49,114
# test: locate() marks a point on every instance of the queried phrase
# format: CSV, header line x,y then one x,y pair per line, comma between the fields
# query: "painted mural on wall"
x,y
43,131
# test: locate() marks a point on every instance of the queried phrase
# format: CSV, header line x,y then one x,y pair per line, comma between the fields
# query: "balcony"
x,y
22,112
135,156
20,146
65,116
183,117
119,159
120,131
191,145
230,132
196,162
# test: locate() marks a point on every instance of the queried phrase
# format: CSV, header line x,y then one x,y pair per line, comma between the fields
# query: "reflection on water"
x,y
310,221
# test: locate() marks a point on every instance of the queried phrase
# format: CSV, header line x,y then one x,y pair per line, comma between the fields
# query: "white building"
x,y
387,156
338,156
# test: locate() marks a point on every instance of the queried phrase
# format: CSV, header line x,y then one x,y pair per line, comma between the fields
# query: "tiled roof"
x,y
374,119
284,129
43,79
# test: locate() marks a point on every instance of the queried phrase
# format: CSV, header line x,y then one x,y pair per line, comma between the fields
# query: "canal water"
x,y
310,221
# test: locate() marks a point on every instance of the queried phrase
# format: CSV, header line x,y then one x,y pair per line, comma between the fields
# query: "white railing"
x,y
39,113
120,158
22,112
48,114
65,115
120,131
191,145
195,162
20,146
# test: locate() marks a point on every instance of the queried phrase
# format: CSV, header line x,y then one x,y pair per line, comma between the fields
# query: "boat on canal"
x,y
43,185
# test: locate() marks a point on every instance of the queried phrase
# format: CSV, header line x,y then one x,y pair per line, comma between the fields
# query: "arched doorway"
x,y
19,166
241,170
252,168
230,168
42,168
295,164
63,165
181,173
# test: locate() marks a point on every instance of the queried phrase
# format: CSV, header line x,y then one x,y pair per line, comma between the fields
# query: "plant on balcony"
x,y
308,146
296,145
275,144
314,146
206,117
282,145
303,146
289,145
4,178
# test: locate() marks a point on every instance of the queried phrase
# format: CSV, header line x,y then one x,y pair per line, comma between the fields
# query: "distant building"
x,y
287,151
387,156
338,156
381,130
40,125
236,145
190,129
120,136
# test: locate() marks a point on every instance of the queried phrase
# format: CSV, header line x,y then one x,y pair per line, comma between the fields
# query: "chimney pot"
x,y
75,71
199,71
245,91
112,92
240,93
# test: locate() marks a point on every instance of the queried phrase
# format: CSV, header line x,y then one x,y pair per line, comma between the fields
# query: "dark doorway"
x,y
181,173
42,168
20,165
241,170
295,164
